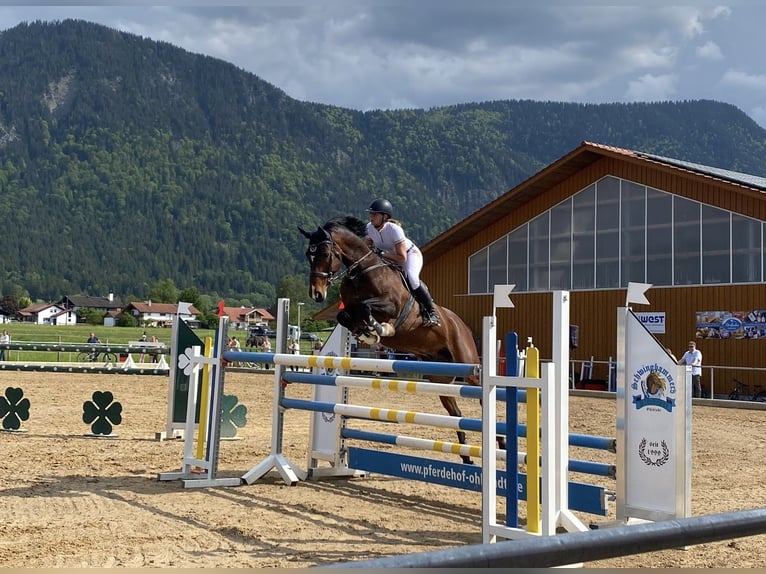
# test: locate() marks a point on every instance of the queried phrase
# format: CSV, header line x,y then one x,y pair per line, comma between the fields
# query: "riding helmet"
x,y
382,206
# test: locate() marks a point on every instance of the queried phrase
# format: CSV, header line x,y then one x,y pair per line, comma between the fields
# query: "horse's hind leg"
x,y
450,404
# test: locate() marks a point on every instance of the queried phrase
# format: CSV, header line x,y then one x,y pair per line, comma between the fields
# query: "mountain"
x,y
125,161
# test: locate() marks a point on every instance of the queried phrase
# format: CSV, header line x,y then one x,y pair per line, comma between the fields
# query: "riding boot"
x,y
430,316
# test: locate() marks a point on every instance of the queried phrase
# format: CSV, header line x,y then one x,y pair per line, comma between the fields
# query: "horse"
x,y
254,341
378,306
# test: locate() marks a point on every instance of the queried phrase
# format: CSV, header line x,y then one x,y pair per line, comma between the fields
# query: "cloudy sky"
x,y
376,54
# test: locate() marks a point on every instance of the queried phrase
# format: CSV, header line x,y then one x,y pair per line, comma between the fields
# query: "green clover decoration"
x,y
233,416
14,408
103,412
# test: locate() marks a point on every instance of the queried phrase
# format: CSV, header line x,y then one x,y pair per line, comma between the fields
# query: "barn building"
x,y
598,218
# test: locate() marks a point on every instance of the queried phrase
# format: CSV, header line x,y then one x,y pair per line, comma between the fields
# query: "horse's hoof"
x,y
369,338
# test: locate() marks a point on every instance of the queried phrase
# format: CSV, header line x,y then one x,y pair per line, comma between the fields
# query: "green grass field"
x,y
32,333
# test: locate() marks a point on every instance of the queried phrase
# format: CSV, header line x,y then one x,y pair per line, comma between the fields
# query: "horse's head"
x,y
331,246
324,260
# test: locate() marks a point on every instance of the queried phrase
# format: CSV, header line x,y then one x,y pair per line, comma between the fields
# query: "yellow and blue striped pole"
x,y
533,442
204,402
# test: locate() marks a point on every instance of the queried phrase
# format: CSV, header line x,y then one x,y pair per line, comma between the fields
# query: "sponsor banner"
x,y
731,324
653,383
583,497
653,321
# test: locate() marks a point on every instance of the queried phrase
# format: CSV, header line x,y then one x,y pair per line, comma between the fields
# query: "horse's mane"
x,y
353,224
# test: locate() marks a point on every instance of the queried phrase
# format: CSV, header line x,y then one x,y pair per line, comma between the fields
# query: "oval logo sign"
x,y
732,324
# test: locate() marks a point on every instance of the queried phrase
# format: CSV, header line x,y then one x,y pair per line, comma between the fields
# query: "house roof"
x,y
91,302
265,314
578,159
159,308
35,308
242,313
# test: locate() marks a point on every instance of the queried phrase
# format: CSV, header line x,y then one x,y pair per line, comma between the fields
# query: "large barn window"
x,y
686,241
539,231
616,231
584,238
716,245
561,246
745,250
608,233
477,272
517,258
659,237
633,234
498,263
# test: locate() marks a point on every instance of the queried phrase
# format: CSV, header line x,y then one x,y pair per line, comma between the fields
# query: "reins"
x,y
341,273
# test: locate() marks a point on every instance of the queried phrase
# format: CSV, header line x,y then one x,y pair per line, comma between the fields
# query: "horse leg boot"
x,y
430,316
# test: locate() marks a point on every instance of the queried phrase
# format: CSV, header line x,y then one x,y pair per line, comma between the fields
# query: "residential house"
x,y
47,314
106,305
246,317
153,314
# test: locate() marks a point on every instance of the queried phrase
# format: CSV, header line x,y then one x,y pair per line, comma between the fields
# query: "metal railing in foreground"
x,y
580,547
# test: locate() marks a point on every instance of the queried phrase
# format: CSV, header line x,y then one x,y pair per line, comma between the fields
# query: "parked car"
x,y
310,337
261,331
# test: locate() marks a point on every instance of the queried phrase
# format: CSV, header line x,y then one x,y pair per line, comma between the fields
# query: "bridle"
x,y
335,252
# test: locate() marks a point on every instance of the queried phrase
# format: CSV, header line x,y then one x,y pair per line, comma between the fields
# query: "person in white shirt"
x,y
387,237
5,338
294,349
693,357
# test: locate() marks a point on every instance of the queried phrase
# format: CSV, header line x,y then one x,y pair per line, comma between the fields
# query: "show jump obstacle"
x,y
544,388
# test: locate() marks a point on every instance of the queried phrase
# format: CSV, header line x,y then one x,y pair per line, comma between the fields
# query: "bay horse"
x,y
378,305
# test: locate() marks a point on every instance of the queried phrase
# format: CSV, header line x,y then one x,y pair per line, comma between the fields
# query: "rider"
x,y
388,237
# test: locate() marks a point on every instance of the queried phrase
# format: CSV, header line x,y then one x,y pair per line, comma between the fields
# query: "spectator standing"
x,y
295,349
143,353
266,349
693,357
234,346
5,339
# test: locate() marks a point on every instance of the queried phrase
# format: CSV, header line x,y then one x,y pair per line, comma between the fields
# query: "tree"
x,y
293,287
127,320
191,295
10,304
164,292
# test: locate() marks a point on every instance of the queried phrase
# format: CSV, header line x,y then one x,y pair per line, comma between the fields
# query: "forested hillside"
x,y
125,161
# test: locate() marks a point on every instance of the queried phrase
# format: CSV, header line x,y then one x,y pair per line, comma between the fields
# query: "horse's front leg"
x,y
347,320
355,319
383,309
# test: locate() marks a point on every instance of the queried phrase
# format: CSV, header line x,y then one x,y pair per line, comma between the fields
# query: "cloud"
x,y
651,88
367,54
741,79
709,51
720,12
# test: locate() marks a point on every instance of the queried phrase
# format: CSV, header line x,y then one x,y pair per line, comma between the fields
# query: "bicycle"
x,y
742,392
95,356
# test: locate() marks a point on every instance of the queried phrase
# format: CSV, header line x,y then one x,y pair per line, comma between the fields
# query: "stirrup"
x,y
431,320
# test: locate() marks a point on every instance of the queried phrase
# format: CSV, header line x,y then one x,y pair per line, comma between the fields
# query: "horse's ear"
x,y
305,233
